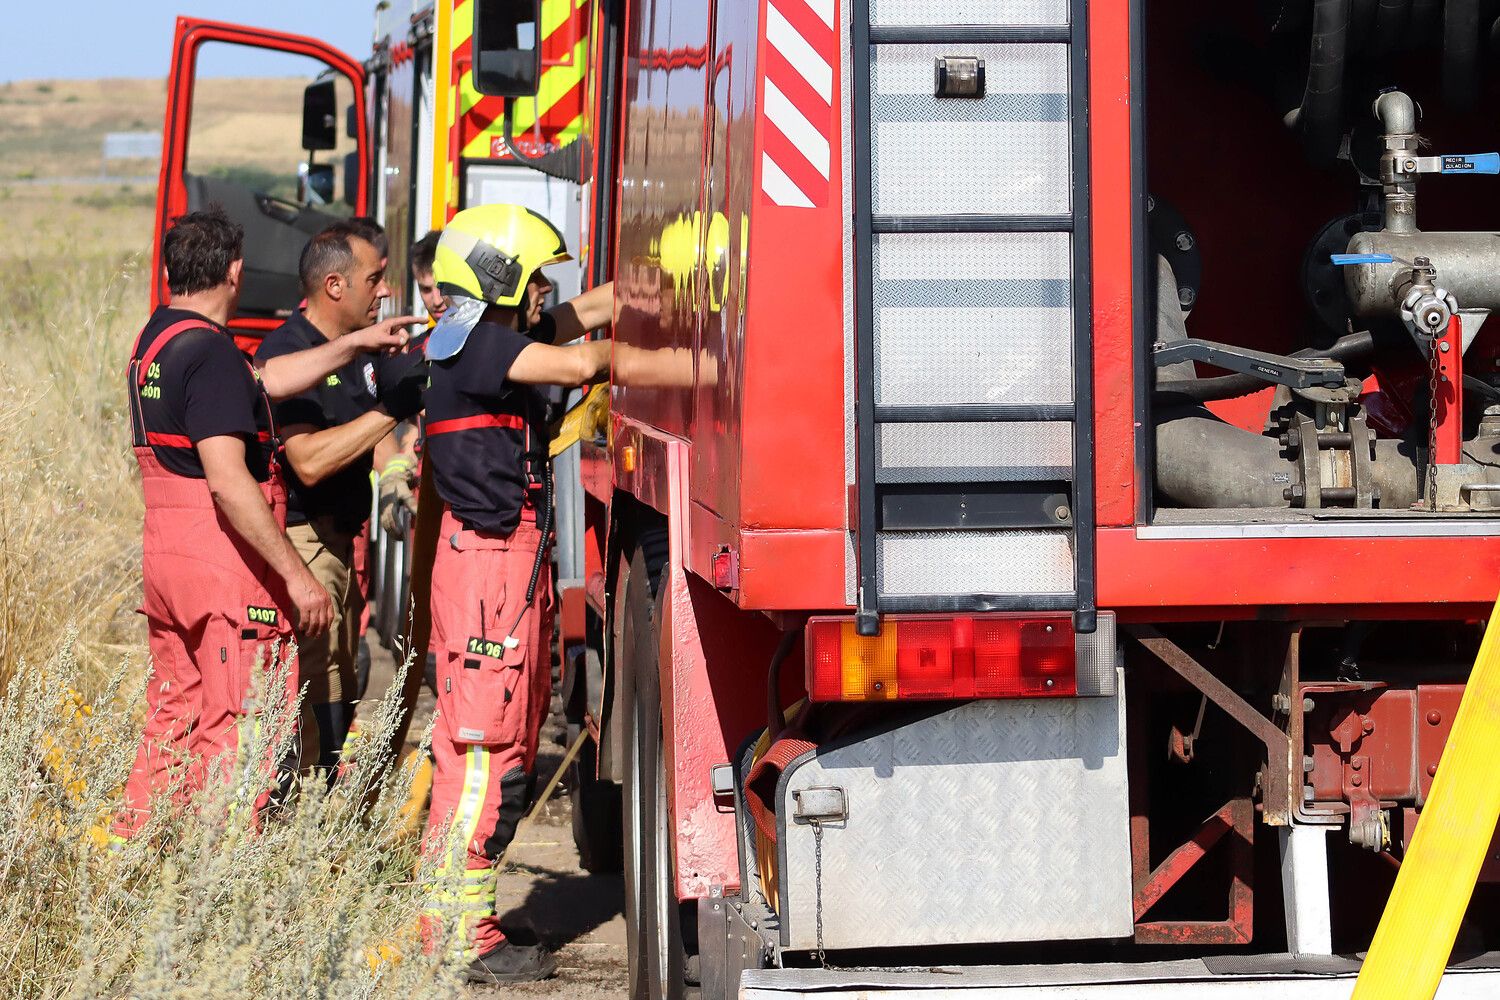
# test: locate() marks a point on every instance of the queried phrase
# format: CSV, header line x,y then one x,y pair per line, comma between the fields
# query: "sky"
x,y
134,37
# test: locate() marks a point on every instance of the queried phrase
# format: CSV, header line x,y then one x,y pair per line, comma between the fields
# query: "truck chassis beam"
x,y
1236,819
1276,776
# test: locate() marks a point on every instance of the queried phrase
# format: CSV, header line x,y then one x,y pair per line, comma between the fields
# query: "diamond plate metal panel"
x,y
1007,153
992,452
973,256
913,12
1003,293
992,107
947,563
937,355
995,821
956,168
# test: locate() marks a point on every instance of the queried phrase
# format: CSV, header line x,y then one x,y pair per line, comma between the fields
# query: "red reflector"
x,y
723,568
924,662
1020,659
980,656
824,676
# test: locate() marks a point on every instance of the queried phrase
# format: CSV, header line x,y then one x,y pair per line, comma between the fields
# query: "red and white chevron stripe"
x,y
800,51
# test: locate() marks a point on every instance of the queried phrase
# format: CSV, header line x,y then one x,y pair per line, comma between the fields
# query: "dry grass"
x,y
203,904
69,505
318,899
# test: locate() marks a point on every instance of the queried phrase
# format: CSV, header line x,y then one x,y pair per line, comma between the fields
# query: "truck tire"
x,y
657,957
598,829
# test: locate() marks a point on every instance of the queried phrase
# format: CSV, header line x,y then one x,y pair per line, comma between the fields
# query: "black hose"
x,y
1351,347
546,529
774,721
1460,54
1320,119
1392,20
1426,15
1361,25
544,524
565,163
1483,388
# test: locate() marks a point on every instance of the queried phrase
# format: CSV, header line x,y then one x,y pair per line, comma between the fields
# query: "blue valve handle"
x,y
1345,259
1471,163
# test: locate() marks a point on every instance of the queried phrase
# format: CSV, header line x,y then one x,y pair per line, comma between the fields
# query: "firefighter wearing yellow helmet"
x,y
490,354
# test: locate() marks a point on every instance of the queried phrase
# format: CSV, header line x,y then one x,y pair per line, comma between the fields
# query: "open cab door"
x,y
249,112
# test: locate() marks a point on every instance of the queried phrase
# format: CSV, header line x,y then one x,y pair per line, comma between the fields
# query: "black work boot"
x,y
512,963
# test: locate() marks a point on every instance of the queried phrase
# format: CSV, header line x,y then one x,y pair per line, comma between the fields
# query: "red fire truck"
x,y
1047,506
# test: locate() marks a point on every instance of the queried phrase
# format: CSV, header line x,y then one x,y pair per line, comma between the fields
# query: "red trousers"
x,y
214,611
494,689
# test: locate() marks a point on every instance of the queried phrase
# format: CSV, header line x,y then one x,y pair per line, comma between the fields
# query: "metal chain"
x,y
1432,422
822,956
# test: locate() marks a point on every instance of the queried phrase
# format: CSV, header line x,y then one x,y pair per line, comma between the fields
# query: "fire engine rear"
x,y
1046,510
1073,392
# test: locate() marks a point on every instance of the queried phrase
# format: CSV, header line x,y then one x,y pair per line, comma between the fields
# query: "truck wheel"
x,y
597,828
657,957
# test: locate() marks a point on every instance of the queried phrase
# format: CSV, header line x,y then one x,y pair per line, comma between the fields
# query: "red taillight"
x,y
983,656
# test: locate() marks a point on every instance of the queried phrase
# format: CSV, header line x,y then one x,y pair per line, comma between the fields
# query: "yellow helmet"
x,y
490,252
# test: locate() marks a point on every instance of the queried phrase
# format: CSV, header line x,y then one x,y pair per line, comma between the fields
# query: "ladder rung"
x,y
975,413
959,34
967,475
971,223
979,603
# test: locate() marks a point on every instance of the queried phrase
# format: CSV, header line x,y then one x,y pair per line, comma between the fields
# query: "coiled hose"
x,y
1321,115
1461,53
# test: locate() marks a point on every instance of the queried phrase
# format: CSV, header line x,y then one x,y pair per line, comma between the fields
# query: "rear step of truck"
x,y
972,304
1256,977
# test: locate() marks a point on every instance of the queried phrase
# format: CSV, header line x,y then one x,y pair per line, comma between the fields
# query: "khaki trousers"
x,y
327,662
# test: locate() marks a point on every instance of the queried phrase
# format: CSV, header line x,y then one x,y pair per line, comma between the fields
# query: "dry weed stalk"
x,y
321,898
317,898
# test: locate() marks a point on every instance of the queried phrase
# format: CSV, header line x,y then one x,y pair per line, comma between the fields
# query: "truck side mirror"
x,y
320,117
507,57
315,183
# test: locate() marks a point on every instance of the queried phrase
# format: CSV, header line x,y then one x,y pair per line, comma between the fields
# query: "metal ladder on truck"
x,y
972,311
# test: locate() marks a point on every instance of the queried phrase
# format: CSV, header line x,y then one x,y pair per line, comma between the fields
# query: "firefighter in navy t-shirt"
x,y
491,580
332,435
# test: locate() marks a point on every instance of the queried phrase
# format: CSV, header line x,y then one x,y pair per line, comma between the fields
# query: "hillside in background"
x,y
55,128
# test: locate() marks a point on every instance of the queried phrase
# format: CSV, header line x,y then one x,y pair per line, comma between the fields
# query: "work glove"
x,y
398,481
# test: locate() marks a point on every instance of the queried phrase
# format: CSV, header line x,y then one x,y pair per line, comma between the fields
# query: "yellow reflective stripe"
x,y
555,83
476,783
461,30
443,188
468,98
463,23
475,896
480,895
470,803
555,14
459,908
